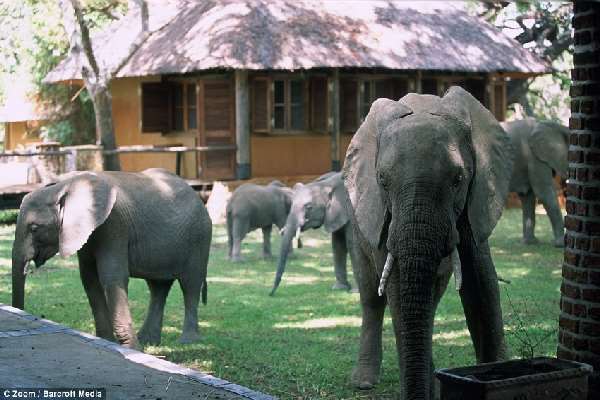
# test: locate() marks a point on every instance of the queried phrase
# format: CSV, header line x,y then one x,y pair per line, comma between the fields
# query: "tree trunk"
x,y
105,133
95,75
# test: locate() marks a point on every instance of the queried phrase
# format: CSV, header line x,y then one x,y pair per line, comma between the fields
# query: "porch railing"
x,y
178,150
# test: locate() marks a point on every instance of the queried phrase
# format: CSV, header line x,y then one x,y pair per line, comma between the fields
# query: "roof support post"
x,y
242,125
334,119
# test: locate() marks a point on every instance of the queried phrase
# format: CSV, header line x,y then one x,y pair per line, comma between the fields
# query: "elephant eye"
x,y
34,227
383,180
458,179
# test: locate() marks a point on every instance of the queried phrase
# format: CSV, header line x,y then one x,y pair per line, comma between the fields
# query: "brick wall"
x,y
579,325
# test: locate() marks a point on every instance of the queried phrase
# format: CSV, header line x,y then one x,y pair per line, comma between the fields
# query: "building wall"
x,y
579,324
288,155
127,122
16,134
270,154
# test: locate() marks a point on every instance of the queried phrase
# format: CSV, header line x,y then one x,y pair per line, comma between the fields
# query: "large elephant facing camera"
x,y
319,203
148,225
541,148
425,175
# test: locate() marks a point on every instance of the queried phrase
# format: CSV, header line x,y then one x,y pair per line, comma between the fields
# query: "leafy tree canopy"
x,y
544,28
32,42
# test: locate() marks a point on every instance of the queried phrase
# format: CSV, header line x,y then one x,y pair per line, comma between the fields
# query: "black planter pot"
x,y
542,378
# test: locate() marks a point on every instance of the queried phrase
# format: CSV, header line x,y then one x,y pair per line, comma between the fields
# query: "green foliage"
x,y
33,42
61,131
302,343
544,28
8,217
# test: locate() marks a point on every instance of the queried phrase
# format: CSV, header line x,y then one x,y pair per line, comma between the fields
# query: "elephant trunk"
x,y
290,231
19,261
413,302
416,244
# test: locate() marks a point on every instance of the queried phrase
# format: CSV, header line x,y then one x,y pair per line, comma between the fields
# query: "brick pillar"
x,y
579,325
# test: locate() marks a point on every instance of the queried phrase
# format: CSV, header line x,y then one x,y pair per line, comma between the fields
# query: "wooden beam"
x,y
334,119
242,125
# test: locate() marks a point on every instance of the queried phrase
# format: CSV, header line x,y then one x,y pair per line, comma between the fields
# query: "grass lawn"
x,y
302,343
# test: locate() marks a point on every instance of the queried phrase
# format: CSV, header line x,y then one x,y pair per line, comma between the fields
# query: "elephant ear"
x,y
549,142
359,171
492,158
85,203
336,215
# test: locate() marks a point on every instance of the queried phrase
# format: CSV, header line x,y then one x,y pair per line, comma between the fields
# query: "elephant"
x,y
149,225
254,206
319,203
425,175
541,149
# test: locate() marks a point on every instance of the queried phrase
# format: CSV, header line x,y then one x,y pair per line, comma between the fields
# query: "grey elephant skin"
x,y
319,203
252,207
148,225
425,175
540,147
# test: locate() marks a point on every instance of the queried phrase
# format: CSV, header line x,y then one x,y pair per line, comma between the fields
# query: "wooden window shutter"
x,y
318,100
261,118
348,105
155,107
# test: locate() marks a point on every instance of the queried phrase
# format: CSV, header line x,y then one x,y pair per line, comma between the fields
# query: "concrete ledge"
x,y
40,330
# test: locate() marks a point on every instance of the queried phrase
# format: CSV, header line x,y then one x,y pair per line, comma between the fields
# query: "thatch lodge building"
x,y
288,82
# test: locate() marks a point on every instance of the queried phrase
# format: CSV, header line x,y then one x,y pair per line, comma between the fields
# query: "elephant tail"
x,y
204,291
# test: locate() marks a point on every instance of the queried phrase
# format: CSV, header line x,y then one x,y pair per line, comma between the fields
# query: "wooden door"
x,y
216,99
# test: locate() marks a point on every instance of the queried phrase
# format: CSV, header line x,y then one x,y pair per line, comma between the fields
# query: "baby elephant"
x,y
148,225
254,206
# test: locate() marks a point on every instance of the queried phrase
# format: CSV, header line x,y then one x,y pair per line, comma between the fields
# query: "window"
x,y
289,104
297,122
192,114
178,110
357,95
169,107
279,104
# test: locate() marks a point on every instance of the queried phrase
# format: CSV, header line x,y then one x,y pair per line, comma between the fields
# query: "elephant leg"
x,y
150,332
528,209
340,252
229,235
366,373
190,286
548,198
238,232
95,294
267,242
118,306
351,250
480,297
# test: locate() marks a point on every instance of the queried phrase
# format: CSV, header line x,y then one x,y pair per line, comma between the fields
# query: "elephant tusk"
x,y
297,232
28,269
455,259
387,269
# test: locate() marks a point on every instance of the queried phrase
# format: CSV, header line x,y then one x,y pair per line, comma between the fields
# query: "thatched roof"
x,y
304,34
